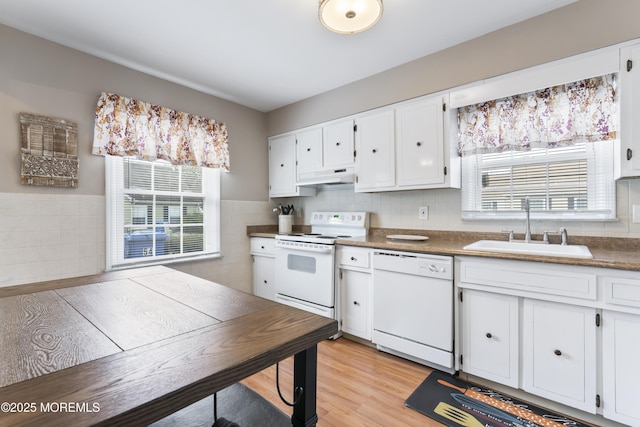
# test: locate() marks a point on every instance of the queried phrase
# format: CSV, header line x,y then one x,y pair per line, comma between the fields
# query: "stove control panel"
x,y
347,219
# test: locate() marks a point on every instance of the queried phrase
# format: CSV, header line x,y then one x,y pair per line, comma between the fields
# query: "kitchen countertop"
x,y
608,252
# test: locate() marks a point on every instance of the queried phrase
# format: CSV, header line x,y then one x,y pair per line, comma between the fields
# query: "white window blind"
x,y
570,182
160,213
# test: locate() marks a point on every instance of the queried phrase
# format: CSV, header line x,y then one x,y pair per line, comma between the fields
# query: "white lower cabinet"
x,y
621,370
355,282
568,334
263,277
356,302
490,336
262,252
559,353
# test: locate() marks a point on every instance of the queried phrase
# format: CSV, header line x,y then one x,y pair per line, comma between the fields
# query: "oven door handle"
x,y
305,247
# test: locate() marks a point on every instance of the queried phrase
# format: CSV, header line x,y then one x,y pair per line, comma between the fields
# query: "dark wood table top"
x,y
130,347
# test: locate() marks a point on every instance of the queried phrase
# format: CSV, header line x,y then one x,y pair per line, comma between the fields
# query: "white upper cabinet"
x,y
629,153
309,150
338,143
282,168
420,143
325,152
375,159
407,147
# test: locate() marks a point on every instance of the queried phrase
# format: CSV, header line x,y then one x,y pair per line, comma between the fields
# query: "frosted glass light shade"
x,y
349,16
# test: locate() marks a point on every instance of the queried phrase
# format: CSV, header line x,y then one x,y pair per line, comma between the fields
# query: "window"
x,y
555,146
573,182
159,213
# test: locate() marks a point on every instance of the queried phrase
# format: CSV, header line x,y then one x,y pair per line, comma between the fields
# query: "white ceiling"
x,y
260,53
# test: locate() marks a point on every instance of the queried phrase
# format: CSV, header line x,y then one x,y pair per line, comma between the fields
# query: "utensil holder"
x,y
285,224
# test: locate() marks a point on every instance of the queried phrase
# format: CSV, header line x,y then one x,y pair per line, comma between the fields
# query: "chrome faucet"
x,y
527,231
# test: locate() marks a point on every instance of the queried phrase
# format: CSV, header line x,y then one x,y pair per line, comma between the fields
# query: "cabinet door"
x,y
309,150
355,296
629,112
420,143
559,353
282,168
490,327
263,274
338,144
621,370
375,159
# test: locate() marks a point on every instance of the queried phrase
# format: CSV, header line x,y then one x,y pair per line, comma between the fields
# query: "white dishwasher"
x,y
413,307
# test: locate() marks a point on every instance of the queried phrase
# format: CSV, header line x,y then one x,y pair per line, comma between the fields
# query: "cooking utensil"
x,y
456,415
519,412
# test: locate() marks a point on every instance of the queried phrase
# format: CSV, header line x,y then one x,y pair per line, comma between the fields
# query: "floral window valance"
x,y
127,127
582,111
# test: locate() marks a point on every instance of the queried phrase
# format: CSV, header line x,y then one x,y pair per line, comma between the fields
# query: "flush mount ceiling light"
x,y
349,16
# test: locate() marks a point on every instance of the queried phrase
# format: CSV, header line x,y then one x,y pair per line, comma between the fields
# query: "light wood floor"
x,y
357,386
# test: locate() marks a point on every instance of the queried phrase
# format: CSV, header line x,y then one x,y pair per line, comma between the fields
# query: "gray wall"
x,y
41,77
580,27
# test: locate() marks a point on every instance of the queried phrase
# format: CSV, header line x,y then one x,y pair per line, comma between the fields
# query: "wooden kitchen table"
x,y
131,347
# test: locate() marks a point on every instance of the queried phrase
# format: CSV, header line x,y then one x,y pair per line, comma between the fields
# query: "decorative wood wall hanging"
x,y
49,151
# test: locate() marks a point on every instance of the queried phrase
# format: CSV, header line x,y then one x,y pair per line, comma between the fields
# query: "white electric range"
x,y
305,262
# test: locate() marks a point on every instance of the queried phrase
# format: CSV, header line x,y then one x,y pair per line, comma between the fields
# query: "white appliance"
x,y
304,262
413,307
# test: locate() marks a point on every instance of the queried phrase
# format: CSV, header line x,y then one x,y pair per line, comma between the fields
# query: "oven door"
x,y
305,272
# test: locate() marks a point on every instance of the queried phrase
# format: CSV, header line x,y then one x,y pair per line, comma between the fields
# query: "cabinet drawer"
x,y
262,246
622,291
354,257
529,277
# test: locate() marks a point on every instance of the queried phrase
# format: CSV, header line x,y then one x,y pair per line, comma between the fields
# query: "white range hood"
x,y
337,176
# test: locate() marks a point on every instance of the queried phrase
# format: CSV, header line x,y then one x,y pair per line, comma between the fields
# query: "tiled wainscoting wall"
x,y
45,237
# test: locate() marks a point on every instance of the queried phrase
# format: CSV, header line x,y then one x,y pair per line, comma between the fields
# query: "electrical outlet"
x,y
423,212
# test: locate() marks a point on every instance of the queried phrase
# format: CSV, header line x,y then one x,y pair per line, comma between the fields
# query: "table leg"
x,y
305,375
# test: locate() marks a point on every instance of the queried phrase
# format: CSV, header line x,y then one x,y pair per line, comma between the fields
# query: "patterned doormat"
x,y
455,402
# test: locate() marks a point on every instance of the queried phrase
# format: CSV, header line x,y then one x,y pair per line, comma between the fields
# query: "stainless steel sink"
x,y
533,248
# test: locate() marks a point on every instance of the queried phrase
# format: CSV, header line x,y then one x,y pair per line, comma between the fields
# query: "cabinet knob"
x,y
265,282
354,258
356,303
338,143
557,353
281,165
419,143
374,150
308,149
262,246
489,335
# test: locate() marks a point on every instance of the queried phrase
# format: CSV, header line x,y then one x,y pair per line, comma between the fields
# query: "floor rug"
x,y
455,402
237,403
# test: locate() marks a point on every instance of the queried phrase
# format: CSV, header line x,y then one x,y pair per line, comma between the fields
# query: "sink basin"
x,y
571,251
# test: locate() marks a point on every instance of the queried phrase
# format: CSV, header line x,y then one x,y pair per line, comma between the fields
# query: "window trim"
x,y
114,196
472,177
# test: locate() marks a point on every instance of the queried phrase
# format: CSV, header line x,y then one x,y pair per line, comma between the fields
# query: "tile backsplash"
x,y
400,210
